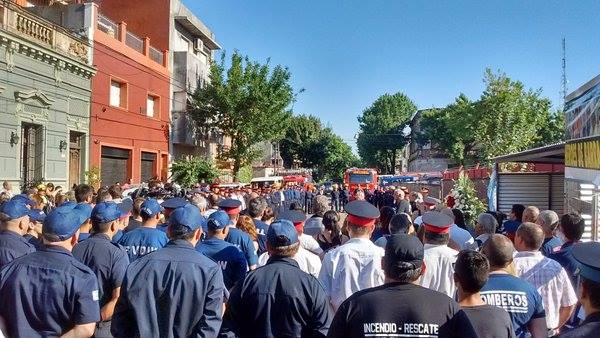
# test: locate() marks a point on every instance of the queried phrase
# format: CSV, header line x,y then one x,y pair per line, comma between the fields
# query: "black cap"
x,y
230,206
588,254
174,203
293,216
403,248
361,213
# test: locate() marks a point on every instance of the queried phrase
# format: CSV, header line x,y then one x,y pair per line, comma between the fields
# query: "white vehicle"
x,y
267,181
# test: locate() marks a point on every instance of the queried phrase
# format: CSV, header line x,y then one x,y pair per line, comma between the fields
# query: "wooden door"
x,y
74,166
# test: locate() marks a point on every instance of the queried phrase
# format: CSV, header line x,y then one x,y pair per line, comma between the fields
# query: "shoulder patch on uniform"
x,y
95,295
556,249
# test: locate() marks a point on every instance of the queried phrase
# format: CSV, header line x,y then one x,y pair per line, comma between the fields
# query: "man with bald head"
x,y
518,297
549,220
547,275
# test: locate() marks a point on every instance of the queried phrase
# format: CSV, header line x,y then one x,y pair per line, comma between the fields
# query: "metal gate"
x,y
114,165
148,161
545,191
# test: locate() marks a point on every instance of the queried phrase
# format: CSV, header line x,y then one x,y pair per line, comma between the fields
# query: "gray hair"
x,y
256,207
548,220
200,202
487,222
320,205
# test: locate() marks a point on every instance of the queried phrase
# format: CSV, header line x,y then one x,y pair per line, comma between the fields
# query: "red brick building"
x,y
129,126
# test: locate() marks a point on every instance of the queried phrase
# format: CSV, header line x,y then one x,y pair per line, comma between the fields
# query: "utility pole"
x,y
564,73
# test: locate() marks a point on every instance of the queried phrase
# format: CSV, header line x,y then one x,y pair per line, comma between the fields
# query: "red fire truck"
x,y
363,178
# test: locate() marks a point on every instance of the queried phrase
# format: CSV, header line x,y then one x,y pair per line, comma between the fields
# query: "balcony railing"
x,y
156,55
134,42
17,20
107,26
119,31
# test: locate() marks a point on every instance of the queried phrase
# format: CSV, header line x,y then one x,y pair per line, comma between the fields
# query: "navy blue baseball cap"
x,y
150,207
174,203
588,254
62,222
282,233
15,208
188,216
126,205
23,198
37,215
84,210
218,220
106,212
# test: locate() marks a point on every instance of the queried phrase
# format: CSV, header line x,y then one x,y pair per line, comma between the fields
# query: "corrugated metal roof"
x,y
553,153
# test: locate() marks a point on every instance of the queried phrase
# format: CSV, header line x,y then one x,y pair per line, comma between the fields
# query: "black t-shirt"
x,y
490,321
400,310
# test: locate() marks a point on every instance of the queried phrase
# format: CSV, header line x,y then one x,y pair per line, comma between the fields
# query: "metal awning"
x,y
551,154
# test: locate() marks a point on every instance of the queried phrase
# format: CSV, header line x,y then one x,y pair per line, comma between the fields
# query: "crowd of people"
x,y
159,261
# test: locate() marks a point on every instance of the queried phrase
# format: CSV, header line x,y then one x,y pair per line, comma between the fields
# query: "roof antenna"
x,y
564,73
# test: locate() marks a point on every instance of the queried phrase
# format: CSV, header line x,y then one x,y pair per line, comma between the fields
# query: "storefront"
x,y
582,155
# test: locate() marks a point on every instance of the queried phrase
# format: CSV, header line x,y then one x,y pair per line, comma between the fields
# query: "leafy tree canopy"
x,y
248,102
192,170
381,137
311,145
507,118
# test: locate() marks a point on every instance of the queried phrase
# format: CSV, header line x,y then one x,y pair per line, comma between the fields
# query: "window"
x,y
152,105
118,94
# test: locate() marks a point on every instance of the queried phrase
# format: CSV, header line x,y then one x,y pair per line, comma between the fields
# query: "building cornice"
x,y
16,44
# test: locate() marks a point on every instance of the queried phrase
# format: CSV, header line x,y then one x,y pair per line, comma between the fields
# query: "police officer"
x,y
277,299
147,238
14,217
237,237
85,210
356,265
172,292
226,255
588,255
49,292
400,307
107,260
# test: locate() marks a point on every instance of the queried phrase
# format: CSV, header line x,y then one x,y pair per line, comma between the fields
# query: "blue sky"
x,y
347,53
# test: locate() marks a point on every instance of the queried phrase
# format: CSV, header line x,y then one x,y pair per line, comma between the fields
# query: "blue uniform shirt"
x,y
519,298
261,228
83,236
107,260
37,243
564,257
173,292
550,245
12,246
228,257
47,293
142,241
243,241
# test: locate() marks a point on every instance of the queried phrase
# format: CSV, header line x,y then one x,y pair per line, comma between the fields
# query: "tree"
x,y
194,170
507,118
249,102
381,135
309,144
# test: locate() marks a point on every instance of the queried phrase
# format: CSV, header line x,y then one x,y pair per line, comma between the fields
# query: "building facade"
x,y
582,155
45,96
423,157
192,45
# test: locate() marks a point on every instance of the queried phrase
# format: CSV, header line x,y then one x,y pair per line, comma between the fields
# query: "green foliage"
x,y
92,177
249,102
466,199
507,118
194,170
309,144
381,138
244,175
